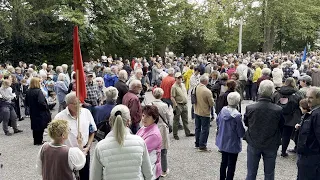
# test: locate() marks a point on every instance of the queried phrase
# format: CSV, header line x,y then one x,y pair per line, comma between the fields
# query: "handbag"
x,y
103,128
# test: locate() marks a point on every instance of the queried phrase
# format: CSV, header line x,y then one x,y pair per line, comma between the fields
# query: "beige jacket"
x,y
204,101
164,129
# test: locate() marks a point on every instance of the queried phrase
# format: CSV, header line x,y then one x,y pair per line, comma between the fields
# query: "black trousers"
x,y
84,172
17,107
286,135
229,161
37,137
308,167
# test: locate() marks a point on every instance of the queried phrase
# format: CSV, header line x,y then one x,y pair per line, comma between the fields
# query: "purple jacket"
x,y
230,130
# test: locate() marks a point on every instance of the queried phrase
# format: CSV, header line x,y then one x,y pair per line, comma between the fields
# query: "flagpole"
x,y
78,101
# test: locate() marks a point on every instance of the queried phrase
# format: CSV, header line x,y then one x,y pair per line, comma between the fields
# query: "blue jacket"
x,y
61,91
110,80
102,113
230,130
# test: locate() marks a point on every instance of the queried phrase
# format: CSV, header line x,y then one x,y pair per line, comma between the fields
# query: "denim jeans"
x,y
269,162
308,167
202,131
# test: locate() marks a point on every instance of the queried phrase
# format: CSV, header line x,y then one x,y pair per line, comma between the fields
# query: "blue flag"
x,y
304,57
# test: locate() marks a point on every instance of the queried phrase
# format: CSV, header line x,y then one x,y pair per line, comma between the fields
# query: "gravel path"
x,y
185,163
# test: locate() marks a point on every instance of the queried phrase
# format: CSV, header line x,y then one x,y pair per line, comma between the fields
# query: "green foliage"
x,y
35,31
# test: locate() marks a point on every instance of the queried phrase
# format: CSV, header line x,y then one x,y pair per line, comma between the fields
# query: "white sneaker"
x,y
164,174
45,133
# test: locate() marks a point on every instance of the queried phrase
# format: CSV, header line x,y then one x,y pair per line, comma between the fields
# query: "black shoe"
x,y
292,150
190,135
176,137
8,134
17,131
284,154
204,149
180,127
21,119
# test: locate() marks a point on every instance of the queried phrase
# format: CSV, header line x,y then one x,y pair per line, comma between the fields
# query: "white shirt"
x,y
43,73
76,158
86,120
242,70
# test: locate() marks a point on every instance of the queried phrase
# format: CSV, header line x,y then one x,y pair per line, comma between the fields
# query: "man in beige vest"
x,y
180,106
202,112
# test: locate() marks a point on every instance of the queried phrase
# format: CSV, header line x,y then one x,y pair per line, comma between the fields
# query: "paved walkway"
x,y
185,163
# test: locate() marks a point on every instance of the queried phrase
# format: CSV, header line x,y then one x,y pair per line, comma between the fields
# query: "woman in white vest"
x,y
121,155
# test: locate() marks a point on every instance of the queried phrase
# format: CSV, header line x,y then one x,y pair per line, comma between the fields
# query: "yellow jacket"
x,y
186,76
257,74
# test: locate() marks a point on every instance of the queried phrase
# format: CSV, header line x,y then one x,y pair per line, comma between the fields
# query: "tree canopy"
x,y
37,31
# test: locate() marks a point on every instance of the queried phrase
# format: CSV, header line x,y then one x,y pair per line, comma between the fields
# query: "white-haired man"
x,y
121,85
242,70
265,122
87,129
131,100
202,110
43,72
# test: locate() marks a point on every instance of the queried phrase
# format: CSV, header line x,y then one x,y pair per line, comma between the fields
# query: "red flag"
x,y
78,67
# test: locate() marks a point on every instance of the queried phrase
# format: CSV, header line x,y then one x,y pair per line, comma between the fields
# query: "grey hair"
x,y
61,77
123,75
58,69
101,79
266,88
134,83
112,93
108,70
139,70
204,78
71,98
158,93
315,90
44,64
118,122
171,71
233,99
266,71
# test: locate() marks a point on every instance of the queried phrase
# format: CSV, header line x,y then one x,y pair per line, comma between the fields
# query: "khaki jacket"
x,y
204,101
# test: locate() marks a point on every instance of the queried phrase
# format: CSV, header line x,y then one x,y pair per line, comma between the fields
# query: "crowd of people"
x,y
134,135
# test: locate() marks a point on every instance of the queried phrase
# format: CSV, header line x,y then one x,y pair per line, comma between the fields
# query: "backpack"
x,y
289,103
194,95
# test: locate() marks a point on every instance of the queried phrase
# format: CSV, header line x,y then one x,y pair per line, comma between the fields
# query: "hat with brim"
x,y
89,74
305,78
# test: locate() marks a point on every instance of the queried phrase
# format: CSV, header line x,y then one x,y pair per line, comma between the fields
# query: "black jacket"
x,y
222,101
265,122
122,89
286,91
39,111
309,134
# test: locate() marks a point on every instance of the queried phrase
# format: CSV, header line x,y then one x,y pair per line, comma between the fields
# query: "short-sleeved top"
x,y
87,125
178,92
